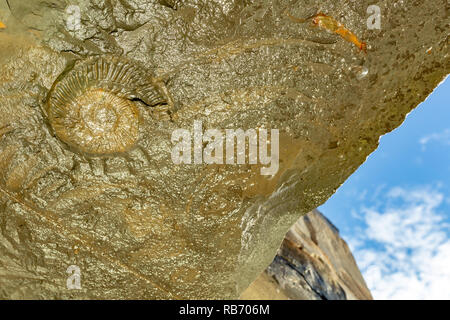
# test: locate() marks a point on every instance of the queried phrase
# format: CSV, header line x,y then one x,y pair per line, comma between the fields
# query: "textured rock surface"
x,y
313,263
139,226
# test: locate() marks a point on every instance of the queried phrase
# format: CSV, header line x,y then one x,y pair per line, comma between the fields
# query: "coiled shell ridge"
x,y
91,107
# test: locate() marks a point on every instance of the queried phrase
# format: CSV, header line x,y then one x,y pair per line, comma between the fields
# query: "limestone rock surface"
x,y
135,225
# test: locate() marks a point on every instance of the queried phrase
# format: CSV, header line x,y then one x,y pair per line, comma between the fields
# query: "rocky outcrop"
x,y
135,223
313,263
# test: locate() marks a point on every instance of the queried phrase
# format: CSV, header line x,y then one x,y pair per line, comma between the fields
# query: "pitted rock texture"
x,y
139,226
313,263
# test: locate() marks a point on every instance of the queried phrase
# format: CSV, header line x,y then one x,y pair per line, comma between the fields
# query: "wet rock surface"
x,y
313,263
137,225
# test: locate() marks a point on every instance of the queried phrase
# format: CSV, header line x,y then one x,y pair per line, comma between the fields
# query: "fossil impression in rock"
x,y
140,226
91,107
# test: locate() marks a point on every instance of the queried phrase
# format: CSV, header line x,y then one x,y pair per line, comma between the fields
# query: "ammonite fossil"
x,y
92,106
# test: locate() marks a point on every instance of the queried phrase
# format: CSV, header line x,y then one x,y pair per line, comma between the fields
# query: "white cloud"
x,y
404,248
441,137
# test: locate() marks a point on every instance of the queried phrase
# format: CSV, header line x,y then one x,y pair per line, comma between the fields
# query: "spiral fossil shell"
x,y
92,106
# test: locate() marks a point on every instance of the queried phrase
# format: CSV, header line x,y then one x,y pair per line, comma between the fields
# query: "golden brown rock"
x,y
137,225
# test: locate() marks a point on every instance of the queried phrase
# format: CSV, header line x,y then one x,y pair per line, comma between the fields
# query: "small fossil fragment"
x,y
329,23
91,107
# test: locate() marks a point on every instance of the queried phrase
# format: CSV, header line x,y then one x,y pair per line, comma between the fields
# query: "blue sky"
x,y
394,211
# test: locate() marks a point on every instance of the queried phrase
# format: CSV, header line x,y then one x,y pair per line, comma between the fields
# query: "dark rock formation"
x,y
313,263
